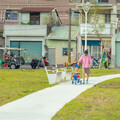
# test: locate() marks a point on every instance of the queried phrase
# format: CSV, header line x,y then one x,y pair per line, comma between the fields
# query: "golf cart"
x,y
10,60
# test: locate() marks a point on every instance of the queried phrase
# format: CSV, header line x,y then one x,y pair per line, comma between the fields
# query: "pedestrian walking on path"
x,y
86,64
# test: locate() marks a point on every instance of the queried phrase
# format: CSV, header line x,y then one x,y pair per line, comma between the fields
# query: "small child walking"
x,y
86,61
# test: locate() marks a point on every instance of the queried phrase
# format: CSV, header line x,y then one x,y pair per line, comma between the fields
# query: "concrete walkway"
x,y
44,104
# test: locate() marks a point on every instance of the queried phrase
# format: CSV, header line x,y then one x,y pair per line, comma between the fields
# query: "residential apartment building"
x,y
32,30
9,9
118,15
105,16
117,42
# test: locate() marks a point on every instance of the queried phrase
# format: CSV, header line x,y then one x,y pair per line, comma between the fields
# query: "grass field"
x,y
102,72
101,102
17,83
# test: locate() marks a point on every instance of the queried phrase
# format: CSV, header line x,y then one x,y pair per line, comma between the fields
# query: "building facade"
x,y
101,31
34,26
117,49
9,9
57,43
14,13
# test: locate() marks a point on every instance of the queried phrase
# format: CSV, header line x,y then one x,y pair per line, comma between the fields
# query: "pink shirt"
x,y
86,60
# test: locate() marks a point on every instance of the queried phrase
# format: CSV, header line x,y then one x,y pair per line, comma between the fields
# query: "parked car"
x,y
35,63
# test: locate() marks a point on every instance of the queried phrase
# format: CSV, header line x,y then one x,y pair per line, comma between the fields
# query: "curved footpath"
x,y
44,104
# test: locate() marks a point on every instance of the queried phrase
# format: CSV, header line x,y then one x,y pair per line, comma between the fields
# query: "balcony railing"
x,y
75,1
106,30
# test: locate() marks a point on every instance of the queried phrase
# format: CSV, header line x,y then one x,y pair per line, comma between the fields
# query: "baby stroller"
x,y
76,76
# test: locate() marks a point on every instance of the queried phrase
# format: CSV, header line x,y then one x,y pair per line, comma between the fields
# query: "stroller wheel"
x,y
87,81
72,82
75,82
81,82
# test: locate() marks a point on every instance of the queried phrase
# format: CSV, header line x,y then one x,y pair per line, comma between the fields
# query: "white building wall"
x,y
90,28
25,33
24,17
114,27
79,47
25,30
101,19
45,18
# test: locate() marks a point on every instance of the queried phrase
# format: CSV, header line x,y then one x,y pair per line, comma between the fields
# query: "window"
x,y
11,14
107,18
86,1
93,50
118,13
102,0
65,52
74,18
75,1
35,18
118,1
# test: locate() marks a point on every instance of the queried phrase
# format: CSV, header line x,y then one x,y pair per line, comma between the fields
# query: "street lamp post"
x,y
86,7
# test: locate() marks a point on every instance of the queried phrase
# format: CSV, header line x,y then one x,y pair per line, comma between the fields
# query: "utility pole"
x,y
69,41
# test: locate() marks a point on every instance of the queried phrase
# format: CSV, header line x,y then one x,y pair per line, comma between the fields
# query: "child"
x,y
86,64
76,76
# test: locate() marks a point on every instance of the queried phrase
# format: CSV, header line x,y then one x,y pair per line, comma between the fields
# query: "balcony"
x,y
25,30
91,27
75,1
102,5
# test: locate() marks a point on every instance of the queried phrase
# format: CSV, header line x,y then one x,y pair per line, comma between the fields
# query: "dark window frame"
x,y
118,1
11,14
75,1
34,18
107,18
65,51
106,1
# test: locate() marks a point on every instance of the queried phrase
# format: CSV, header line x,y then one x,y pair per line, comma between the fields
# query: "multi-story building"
x,y
117,43
9,9
31,32
118,15
106,16
9,15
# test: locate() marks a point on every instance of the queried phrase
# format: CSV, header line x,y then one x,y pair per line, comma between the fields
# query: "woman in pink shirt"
x,y
86,64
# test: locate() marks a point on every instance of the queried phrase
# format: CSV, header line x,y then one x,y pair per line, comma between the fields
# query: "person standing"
x,y
86,61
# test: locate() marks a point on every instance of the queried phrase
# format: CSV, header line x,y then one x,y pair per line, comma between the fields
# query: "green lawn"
x,y
15,84
102,72
101,102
